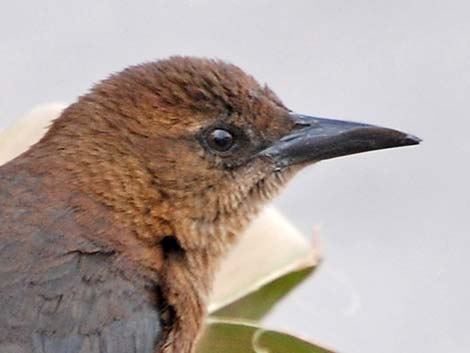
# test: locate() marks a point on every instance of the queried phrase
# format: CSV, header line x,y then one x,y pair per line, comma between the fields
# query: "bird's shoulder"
x,y
62,291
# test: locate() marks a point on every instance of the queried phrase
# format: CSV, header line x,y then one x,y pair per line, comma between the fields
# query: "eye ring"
x,y
220,139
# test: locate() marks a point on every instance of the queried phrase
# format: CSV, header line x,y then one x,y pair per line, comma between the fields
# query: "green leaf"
x,y
257,304
242,337
279,342
224,337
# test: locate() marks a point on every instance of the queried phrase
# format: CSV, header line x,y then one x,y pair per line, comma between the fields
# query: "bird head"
x,y
197,146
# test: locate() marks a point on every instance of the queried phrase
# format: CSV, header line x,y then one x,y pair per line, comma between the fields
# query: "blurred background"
x,y
395,224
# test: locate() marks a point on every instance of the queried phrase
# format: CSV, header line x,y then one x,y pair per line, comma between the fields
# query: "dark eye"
x,y
220,140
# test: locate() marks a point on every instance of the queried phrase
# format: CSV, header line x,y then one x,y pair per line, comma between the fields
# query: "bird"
x,y
113,224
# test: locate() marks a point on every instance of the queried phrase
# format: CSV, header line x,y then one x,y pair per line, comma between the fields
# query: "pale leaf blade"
x,y
27,130
257,304
269,249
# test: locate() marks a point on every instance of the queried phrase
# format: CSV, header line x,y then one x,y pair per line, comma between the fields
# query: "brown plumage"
x,y
113,224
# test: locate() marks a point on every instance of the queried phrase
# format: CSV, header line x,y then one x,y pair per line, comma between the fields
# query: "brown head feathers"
x,y
140,143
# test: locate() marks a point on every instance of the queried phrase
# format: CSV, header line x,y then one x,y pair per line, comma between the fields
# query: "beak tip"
x,y
412,140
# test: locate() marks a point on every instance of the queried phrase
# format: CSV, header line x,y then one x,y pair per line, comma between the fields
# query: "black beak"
x,y
315,139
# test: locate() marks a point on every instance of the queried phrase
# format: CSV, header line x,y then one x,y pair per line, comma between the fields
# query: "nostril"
x,y
301,121
301,125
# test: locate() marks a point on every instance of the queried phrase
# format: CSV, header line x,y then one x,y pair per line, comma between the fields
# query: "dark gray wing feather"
x,y
61,294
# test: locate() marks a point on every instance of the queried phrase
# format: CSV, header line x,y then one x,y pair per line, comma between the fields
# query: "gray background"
x,y
395,224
